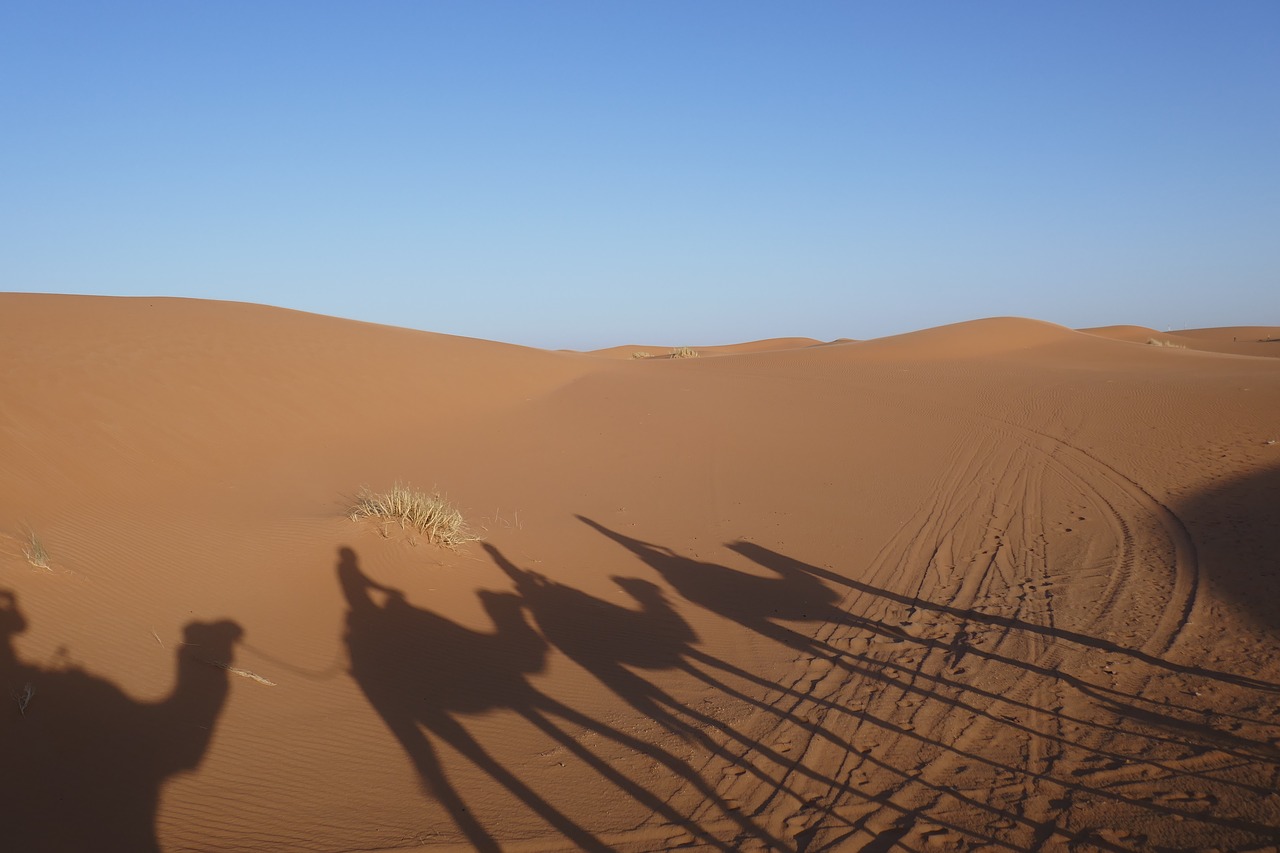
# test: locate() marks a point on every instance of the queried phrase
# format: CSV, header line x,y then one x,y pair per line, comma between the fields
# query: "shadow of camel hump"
x,y
757,603
401,651
83,762
595,630
793,595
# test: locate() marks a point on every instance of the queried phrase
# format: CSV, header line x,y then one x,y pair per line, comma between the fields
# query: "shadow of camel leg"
x,y
665,758
423,755
450,731
633,789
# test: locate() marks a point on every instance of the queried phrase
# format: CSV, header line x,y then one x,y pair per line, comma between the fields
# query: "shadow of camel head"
x,y
500,603
524,578
212,637
11,619
641,590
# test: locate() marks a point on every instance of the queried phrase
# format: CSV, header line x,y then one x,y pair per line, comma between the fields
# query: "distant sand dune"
x,y
1000,584
769,345
1261,341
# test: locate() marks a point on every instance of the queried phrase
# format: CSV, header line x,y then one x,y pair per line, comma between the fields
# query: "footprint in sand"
x,y
798,822
1185,799
938,838
1119,837
728,778
817,669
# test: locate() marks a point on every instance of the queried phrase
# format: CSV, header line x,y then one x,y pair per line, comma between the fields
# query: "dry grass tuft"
x,y
684,352
235,670
428,513
35,552
23,697
1156,342
642,354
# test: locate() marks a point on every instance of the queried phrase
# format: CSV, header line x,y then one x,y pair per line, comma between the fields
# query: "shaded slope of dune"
x,y
1000,583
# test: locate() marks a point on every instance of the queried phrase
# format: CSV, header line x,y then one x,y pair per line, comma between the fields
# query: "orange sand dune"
x,y
998,585
1235,340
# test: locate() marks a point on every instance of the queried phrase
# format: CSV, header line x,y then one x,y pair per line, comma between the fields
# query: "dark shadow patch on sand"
x,y
611,642
1236,525
84,763
424,673
421,670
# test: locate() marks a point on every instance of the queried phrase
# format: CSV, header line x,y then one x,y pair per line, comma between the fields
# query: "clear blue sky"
x,y
579,174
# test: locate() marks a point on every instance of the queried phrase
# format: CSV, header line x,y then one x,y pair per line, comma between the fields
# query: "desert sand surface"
x,y
1001,585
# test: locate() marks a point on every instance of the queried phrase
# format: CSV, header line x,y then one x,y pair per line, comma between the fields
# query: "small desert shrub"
x,y
684,352
35,553
642,354
428,513
23,696
1156,342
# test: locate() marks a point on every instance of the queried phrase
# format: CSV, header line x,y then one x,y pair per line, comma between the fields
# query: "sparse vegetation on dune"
x,y
641,354
684,352
1156,342
35,551
428,513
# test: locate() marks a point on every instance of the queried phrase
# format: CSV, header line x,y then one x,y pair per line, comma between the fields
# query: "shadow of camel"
x,y
609,641
754,602
83,762
418,669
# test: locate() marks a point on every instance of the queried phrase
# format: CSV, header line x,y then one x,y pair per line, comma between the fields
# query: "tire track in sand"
x,y
973,567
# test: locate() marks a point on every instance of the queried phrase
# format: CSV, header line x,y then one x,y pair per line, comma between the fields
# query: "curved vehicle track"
x,y
987,688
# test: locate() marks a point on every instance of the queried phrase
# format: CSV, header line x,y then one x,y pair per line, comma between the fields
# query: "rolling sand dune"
x,y
1235,340
999,585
